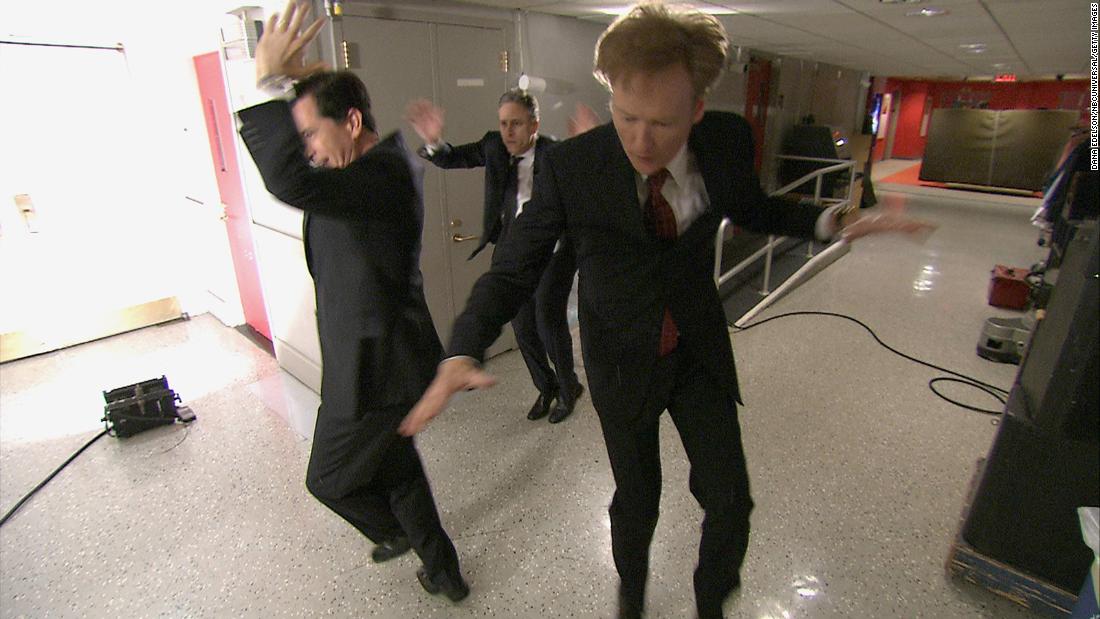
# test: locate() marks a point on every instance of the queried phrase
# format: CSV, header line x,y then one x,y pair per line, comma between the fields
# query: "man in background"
x,y
512,157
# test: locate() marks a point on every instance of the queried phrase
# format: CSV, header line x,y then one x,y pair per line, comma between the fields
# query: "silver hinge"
x,y
351,55
504,61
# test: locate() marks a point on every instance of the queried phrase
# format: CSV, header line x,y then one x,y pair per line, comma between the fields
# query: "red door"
x,y
757,88
219,128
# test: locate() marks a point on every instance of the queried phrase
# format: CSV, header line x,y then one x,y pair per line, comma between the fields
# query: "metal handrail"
x,y
818,174
773,241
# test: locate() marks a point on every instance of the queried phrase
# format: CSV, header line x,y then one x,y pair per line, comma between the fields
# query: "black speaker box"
x,y
1045,460
1024,512
1058,377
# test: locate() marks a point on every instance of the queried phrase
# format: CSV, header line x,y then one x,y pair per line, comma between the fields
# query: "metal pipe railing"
x,y
766,251
844,164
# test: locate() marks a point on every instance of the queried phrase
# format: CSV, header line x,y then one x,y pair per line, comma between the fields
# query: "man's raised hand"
x,y
583,119
427,119
281,49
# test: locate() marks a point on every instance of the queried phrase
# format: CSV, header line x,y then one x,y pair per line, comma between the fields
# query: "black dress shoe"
x,y
455,591
541,407
390,549
565,408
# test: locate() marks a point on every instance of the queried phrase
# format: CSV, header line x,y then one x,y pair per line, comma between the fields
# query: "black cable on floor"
x,y
52,475
993,390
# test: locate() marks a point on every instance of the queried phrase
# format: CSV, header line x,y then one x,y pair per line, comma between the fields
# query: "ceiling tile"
x,y
869,35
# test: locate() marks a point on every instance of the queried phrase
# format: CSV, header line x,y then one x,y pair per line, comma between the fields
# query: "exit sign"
x,y
1005,77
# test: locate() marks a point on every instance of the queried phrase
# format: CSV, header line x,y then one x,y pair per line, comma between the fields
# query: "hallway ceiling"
x,y
1029,38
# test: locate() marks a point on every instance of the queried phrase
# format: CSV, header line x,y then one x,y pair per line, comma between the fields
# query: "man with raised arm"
x,y
512,157
361,195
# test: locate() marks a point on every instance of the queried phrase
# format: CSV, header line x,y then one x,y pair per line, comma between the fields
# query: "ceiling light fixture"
x,y
927,12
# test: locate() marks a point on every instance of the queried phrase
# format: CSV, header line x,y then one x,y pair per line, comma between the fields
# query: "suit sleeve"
x,y
755,210
470,155
270,135
517,266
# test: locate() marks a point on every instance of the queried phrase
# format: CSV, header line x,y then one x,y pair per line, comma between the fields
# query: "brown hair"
x,y
652,37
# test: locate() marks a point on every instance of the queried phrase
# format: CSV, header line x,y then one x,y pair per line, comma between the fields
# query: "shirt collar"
x,y
529,156
678,168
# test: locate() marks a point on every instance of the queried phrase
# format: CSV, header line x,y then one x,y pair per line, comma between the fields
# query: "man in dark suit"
x,y
512,158
362,229
641,200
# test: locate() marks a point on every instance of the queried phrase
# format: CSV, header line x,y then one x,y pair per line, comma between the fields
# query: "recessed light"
x,y
972,45
927,12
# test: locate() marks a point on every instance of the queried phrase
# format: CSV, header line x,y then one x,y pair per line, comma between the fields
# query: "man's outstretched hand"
x,y
855,226
281,49
454,375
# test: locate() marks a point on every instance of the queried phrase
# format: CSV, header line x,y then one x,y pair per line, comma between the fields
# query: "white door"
x,y
458,67
82,242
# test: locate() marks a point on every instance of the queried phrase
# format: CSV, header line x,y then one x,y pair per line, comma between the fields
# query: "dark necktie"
x,y
511,195
661,223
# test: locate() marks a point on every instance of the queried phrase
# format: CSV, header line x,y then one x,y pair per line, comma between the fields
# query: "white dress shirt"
x,y
526,177
687,195
525,174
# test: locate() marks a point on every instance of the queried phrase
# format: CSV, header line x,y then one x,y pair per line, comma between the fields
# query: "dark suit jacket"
x,y
362,233
586,188
488,152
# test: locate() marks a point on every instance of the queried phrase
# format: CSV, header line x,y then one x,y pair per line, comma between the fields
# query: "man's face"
x,y
329,143
653,114
517,128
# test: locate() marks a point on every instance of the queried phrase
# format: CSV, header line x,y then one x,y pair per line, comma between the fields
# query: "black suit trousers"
x,y
542,327
706,420
373,478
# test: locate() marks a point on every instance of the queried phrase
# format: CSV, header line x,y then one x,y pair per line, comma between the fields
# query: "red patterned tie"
x,y
661,223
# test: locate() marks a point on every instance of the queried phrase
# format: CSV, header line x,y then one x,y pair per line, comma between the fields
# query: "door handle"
x,y
458,238
26,208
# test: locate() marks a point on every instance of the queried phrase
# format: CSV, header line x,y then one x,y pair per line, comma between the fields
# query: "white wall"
x,y
171,159
559,49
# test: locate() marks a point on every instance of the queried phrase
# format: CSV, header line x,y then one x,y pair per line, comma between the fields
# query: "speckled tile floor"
x,y
859,472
